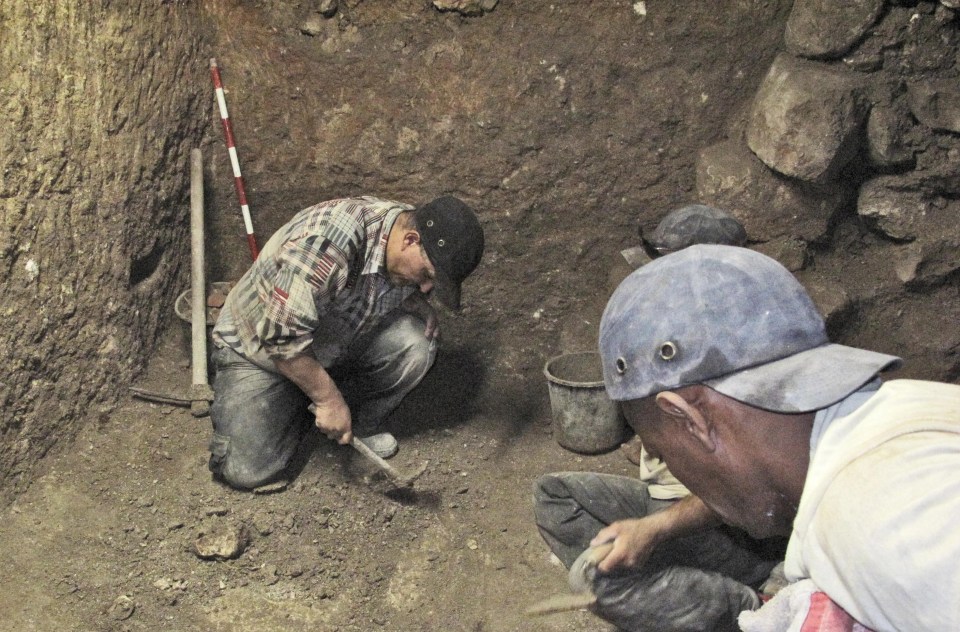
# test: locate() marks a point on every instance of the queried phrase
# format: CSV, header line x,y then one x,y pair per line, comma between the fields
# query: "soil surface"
x,y
107,537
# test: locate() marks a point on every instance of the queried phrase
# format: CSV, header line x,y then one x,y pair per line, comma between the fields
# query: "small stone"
x,y
263,523
122,608
163,584
270,575
327,8
223,544
313,25
936,104
466,7
272,488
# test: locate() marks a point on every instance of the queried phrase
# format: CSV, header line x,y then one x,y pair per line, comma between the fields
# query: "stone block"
x,y
936,104
938,167
789,251
769,205
893,206
929,260
807,119
827,29
886,145
830,297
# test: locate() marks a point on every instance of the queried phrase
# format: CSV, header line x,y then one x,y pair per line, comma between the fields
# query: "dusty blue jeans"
x,y
260,416
697,583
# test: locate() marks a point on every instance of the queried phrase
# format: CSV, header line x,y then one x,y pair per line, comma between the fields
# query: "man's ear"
x,y
686,410
411,238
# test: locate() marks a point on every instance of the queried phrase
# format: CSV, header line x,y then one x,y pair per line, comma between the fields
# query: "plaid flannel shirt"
x,y
319,282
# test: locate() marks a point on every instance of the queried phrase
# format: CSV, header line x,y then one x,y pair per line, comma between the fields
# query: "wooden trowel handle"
x,y
373,457
599,552
394,475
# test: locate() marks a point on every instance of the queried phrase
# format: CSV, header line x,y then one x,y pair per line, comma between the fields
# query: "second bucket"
x,y
585,420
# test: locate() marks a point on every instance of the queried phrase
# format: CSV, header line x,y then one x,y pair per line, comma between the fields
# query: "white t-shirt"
x,y
878,525
661,484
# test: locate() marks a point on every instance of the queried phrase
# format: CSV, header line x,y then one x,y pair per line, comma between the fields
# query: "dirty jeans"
x,y
699,582
260,416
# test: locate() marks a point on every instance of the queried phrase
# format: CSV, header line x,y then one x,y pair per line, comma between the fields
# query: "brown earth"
x,y
576,123
104,539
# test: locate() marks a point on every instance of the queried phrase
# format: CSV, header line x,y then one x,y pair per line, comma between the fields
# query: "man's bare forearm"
x,y
684,517
310,376
635,539
331,412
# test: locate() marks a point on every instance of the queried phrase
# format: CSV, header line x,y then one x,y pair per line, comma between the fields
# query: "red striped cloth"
x,y
826,616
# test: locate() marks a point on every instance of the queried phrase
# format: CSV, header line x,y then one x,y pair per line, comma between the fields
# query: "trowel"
x,y
399,480
580,596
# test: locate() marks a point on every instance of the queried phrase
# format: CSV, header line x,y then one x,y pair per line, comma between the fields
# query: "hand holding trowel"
x,y
580,596
398,479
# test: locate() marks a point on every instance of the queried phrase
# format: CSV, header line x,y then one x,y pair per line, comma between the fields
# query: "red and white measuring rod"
x,y
232,149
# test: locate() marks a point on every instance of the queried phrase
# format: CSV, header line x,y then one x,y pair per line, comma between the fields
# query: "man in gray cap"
x,y
687,574
334,313
722,365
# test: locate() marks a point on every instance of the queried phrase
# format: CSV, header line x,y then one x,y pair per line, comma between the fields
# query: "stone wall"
x,y
846,167
100,103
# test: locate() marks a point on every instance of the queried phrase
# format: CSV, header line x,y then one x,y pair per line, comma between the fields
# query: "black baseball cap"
x,y
453,239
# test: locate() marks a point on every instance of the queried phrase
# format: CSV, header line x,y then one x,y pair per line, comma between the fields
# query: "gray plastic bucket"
x,y
585,420
182,308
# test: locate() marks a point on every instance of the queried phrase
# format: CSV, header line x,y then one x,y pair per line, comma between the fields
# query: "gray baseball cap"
x,y
694,224
734,320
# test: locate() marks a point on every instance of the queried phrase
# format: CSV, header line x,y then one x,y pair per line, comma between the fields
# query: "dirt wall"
x,y
567,125
100,103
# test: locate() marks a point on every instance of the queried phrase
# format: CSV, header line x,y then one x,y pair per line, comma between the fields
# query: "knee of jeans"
x,y
407,331
413,363
419,352
232,470
422,355
539,486
549,487
240,477
690,598
546,490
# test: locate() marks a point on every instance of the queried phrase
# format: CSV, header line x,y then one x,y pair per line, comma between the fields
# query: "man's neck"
x,y
790,456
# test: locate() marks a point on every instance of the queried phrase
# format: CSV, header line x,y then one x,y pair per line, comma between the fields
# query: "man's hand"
x,y
333,418
635,539
417,304
633,542
332,413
